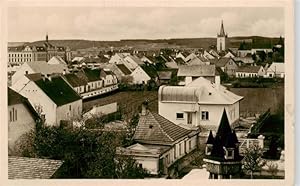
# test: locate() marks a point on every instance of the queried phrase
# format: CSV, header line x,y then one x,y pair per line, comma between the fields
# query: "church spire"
x,y
222,31
47,37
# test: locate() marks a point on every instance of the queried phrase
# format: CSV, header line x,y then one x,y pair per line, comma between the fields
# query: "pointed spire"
x,y
224,127
222,31
47,37
210,139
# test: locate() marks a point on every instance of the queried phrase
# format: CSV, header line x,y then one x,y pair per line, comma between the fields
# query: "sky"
x,y
115,23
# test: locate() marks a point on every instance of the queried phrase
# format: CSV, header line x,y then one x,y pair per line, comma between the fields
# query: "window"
x,y
204,115
179,149
179,115
140,165
10,116
70,107
189,118
174,152
190,145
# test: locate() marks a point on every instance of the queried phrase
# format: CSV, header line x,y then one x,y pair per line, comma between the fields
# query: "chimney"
x,y
217,82
144,108
64,72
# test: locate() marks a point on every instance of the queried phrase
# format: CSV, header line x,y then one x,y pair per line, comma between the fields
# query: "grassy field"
x,y
256,100
129,101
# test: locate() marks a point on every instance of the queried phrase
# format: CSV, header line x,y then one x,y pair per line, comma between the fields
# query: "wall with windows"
x,y
204,115
20,121
40,100
69,111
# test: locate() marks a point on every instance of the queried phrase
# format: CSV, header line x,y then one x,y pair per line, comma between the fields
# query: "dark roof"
x,y
58,90
32,168
15,98
210,139
223,61
34,77
123,69
225,137
179,61
248,68
155,129
150,70
92,74
75,80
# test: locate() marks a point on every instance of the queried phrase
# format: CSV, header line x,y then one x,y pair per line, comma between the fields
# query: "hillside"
x,y
160,43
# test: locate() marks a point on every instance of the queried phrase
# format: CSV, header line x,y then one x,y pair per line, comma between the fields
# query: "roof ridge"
x,y
163,131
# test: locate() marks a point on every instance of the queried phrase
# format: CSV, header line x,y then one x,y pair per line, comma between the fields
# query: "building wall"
x,y
69,111
149,163
169,110
220,43
140,76
20,121
40,101
230,68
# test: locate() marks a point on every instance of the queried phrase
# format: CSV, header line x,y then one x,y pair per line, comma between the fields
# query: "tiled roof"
x,y
150,70
136,59
16,49
124,69
249,69
222,62
32,168
45,68
196,70
75,80
92,74
58,90
165,75
155,129
172,65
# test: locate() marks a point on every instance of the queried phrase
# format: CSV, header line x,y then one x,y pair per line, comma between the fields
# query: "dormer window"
x,y
228,153
208,149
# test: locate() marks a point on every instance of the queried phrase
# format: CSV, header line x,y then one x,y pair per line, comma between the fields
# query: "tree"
x,y
253,161
127,167
272,168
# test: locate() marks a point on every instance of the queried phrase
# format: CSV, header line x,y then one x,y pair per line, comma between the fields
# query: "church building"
x,y
221,39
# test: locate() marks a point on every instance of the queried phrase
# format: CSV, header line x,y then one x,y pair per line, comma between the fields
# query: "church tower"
x,y
221,37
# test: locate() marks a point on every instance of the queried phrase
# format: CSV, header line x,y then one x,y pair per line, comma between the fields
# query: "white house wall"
x,y
19,126
38,98
64,113
169,110
140,76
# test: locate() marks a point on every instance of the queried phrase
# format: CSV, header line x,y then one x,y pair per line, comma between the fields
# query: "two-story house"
x,y
199,103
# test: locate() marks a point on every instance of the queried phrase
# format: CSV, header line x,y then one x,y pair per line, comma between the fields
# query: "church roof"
x,y
222,31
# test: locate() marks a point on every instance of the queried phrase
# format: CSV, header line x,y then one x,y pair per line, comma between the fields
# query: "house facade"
x,y
159,143
22,118
139,76
275,70
53,98
199,103
227,65
250,72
